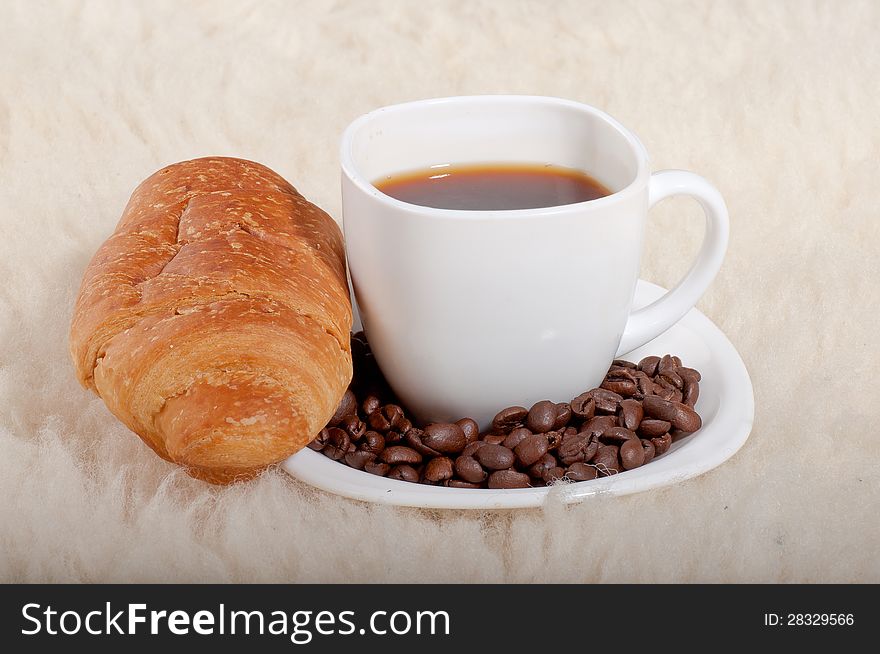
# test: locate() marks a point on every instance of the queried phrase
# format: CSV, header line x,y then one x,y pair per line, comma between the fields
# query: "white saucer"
x,y
726,405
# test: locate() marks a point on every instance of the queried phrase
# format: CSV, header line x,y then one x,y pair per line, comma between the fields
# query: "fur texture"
x,y
773,101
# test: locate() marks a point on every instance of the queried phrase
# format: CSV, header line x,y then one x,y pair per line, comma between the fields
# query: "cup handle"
x,y
649,322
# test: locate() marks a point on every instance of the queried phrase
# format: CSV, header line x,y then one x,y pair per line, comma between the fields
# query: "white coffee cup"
x,y
468,312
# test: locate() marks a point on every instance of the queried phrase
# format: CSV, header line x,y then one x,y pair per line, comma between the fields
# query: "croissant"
x,y
214,322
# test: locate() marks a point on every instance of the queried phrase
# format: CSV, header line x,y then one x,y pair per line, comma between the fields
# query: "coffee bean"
x,y
581,472
494,439
689,374
415,439
554,438
624,364
393,437
458,483
662,444
541,416
470,448
346,407
563,415
691,389
632,454
439,469
359,458
353,426
470,428
445,437
494,457
606,460
622,387
469,469
378,421
404,472
666,369
620,373
583,406
531,449
553,475
508,479
515,437
680,415
394,414
606,400
648,365
599,424
320,441
648,447
400,454
371,403
631,413
510,418
337,443
618,435
373,442
577,448
651,428
376,467
569,431
646,385
543,464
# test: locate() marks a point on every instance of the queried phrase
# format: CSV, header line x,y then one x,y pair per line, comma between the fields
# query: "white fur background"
x,y
776,102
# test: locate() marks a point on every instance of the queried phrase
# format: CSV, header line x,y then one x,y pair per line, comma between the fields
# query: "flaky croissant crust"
x,y
214,322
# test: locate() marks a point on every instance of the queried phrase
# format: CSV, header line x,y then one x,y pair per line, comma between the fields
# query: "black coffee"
x,y
492,186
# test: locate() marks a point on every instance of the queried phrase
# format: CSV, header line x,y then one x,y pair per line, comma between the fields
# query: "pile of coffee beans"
x,y
632,418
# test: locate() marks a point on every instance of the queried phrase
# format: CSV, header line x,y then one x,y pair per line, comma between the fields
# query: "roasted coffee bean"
x,y
470,470
494,439
458,483
622,387
581,472
353,426
470,428
661,444
515,437
320,441
393,437
509,418
631,413
554,438
646,386
346,407
470,448
599,424
371,403
376,467
508,479
648,447
618,435
445,437
583,406
538,468
624,364
553,475
439,469
395,416
632,454
666,369
606,400
337,443
359,458
541,416
691,394
648,365
689,374
494,457
404,472
373,442
578,448
531,449
563,415
606,461
651,428
619,373
680,415
400,454
415,439
378,421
